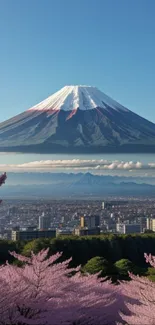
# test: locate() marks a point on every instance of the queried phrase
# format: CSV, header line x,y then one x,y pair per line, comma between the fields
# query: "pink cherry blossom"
x,y
43,292
142,291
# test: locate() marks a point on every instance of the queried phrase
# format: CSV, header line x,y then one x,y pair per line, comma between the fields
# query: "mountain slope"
x,y
77,119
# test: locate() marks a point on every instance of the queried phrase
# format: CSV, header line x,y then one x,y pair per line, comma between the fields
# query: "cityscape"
x,y
31,219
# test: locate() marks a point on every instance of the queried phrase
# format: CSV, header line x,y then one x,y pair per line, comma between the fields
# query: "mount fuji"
x,y
77,119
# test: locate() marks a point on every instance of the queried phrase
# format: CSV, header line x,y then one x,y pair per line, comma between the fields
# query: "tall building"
x,y
103,205
44,222
123,228
150,224
90,221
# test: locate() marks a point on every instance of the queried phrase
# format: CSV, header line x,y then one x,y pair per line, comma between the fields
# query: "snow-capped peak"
x,y
70,98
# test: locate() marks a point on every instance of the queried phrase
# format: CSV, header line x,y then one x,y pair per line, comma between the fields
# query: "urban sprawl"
x,y
27,220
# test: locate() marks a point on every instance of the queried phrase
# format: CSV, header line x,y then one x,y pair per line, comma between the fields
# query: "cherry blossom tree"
x,y
43,292
142,311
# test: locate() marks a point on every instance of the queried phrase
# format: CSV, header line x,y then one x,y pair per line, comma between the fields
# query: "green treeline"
x,y
81,249
112,255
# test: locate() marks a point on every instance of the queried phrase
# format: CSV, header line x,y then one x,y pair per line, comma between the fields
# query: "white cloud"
x,y
76,164
152,165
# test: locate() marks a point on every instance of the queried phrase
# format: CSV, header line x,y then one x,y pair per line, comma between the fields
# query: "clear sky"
x,y
47,44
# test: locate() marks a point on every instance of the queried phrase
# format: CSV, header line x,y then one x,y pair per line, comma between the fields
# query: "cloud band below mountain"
x,y
77,165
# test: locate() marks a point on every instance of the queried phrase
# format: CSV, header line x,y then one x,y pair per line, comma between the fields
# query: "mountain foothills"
x,y
77,119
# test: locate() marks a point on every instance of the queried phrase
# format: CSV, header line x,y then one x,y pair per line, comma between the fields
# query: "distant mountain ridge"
x,y
62,177
76,186
69,178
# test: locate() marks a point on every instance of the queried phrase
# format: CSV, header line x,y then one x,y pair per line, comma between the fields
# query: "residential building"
x,y
150,224
87,231
29,235
91,221
64,232
103,205
44,222
123,228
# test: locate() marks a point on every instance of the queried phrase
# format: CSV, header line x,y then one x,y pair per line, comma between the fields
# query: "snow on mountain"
x,y
79,119
70,98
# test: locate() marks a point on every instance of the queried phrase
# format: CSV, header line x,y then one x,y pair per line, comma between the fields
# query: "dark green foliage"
x,y
141,271
99,264
108,246
18,263
151,273
124,266
6,246
148,231
35,245
95,265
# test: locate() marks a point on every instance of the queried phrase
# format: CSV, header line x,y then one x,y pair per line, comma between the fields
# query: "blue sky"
x,y
45,45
